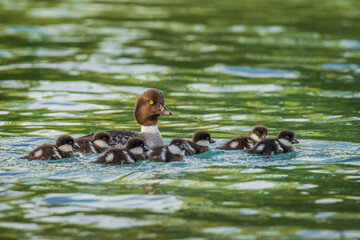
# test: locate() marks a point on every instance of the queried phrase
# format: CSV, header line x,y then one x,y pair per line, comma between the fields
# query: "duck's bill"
x,y
76,146
212,141
295,141
112,142
164,111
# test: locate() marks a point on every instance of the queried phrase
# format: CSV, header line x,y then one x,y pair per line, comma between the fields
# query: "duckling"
x,y
99,143
133,151
200,143
175,151
62,149
259,132
281,144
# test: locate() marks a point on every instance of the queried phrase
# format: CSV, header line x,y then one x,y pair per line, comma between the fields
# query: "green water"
x,y
74,67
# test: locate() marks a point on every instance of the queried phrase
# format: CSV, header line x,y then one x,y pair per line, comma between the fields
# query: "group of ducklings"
x,y
135,148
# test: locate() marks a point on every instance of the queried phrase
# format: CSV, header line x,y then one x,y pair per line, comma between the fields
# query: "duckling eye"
x,y
151,102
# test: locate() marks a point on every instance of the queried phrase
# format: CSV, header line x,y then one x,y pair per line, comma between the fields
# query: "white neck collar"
x,y
150,129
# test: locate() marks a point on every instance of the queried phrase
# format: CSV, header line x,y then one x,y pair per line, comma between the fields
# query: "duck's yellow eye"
x,y
151,102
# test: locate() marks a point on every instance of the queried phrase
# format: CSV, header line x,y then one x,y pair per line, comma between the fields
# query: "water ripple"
x,y
252,72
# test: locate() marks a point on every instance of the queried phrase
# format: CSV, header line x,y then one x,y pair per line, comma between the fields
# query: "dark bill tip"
x,y
164,111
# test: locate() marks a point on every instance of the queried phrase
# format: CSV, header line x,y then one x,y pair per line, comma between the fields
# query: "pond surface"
x,y
74,67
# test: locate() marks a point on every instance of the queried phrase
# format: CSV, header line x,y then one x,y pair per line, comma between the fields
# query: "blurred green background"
x,y
77,66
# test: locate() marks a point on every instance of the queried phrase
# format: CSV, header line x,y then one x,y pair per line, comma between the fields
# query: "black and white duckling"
x,y
62,149
148,108
200,143
175,151
259,132
99,143
133,151
281,144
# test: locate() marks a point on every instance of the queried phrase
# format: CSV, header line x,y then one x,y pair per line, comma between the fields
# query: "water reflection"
x,y
74,67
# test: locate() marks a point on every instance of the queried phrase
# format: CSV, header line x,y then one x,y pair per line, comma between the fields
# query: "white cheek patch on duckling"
x,y
137,150
66,148
285,142
176,150
260,147
255,137
101,143
92,149
109,157
234,144
56,153
38,153
204,143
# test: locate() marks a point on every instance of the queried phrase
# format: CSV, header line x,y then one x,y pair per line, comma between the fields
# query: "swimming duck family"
x,y
126,146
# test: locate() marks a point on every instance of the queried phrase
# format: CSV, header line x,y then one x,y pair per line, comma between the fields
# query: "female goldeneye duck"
x,y
281,144
200,143
62,149
148,108
133,151
258,133
99,143
175,151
